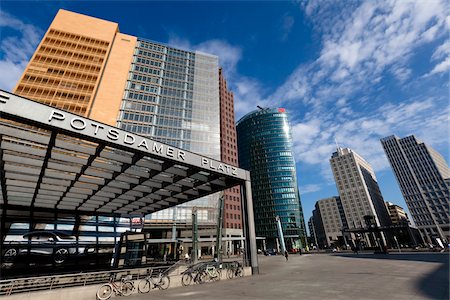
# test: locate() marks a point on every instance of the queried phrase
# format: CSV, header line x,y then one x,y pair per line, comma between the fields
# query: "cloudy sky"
x,y
346,71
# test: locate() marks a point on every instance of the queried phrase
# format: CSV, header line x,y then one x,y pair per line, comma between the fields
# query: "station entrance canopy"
x,y
55,160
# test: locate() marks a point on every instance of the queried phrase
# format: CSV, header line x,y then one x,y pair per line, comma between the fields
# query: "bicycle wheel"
x,y
203,277
144,286
219,274
127,288
164,282
230,273
186,279
104,292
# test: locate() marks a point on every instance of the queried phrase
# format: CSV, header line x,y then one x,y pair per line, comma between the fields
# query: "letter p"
x,y
56,115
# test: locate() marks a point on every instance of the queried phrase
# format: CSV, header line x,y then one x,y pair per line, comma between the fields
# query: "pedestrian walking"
x,y
286,254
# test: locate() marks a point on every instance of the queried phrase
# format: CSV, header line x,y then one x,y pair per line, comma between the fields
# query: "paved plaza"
x,y
330,276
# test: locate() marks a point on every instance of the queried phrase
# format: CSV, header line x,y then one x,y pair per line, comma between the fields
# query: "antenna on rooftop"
x,y
259,107
338,149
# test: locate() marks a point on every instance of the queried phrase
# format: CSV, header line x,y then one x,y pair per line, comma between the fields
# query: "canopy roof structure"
x,y
55,160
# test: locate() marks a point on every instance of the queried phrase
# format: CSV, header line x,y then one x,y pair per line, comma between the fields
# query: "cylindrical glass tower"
x,y
265,149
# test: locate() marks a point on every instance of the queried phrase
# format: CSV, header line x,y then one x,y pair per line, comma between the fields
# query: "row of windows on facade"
x,y
232,206
79,38
55,43
281,161
54,95
48,82
163,100
233,216
233,225
70,65
260,176
165,92
268,205
67,55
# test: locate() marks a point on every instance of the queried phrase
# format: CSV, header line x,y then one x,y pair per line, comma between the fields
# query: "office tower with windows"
x,y
317,230
424,179
172,95
265,149
81,65
359,191
333,221
86,66
232,216
397,214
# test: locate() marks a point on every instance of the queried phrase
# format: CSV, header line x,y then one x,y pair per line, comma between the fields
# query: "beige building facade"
x,y
358,189
332,218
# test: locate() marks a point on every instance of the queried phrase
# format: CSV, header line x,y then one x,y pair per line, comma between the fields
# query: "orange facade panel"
x,y
94,28
107,102
65,69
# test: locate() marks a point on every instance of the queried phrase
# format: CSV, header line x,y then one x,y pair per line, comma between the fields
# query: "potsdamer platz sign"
x,y
54,160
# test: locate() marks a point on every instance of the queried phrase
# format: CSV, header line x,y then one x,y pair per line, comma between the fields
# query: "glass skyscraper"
x,y
265,148
172,96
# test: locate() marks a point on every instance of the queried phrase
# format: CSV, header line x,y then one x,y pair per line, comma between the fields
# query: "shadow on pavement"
x,y
434,285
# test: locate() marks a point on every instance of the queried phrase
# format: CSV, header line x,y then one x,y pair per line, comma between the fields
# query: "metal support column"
x,y
194,254
250,234
218,249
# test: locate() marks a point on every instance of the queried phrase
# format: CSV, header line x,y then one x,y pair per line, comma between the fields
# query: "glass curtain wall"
x,y
265,148
172,96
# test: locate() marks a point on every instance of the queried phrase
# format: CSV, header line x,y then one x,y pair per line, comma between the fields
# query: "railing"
x,y
31,284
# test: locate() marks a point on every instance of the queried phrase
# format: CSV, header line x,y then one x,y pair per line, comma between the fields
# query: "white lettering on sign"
x,y
138,142
214,165
78,124
113,134
127,138
97,127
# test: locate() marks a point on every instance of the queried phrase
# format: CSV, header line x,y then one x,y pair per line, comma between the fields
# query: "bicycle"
x,y
125,288
192,274
210,273
161,281
235,270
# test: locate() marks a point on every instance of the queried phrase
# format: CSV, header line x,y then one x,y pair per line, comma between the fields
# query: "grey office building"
x,y
424,179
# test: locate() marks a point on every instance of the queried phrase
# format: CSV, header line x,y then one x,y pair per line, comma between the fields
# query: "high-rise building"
x,y
333,221
86,66
228,145
397,214
265,148
81,65
358,190
424,179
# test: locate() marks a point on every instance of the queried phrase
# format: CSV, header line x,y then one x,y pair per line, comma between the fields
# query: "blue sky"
x,y
346,70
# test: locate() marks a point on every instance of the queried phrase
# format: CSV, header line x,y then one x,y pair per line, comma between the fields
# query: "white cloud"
x,y
362,45
17,49
309,188
314,144
441,67
288,22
